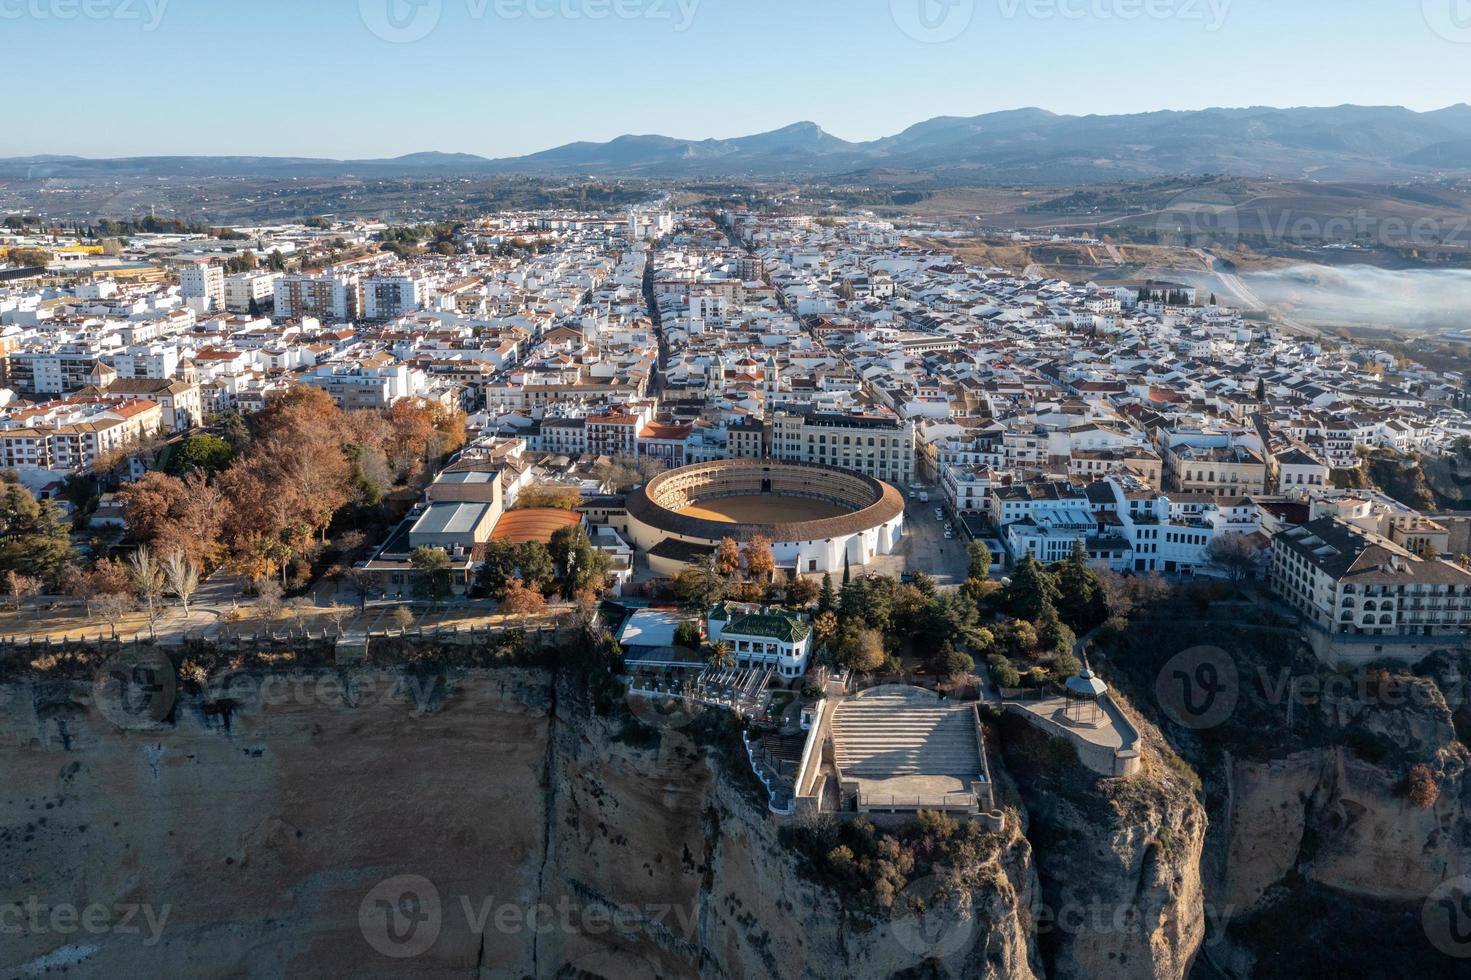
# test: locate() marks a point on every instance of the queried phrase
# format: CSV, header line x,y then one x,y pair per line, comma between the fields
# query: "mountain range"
x,y
1018,146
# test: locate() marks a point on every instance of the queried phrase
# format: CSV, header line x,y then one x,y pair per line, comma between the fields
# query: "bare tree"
x,y
268,598
299,609
182,575
149,581
21,587
1234,556
338,614
401,617
362,583
114,607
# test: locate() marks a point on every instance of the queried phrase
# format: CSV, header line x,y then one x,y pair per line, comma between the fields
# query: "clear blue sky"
x,y
310,78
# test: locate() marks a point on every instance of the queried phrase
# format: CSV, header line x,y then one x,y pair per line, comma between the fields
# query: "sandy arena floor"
x,y
763,510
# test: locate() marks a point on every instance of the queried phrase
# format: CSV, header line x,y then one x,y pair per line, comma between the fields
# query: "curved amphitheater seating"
x,y
887,733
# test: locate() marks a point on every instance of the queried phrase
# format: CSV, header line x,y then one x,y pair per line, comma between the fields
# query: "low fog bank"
x,y
1361,295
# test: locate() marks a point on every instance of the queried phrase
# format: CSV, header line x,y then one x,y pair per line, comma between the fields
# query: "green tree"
x,y
827,600
498,569
534,561
207,454
702,585
432,579
579,565
981,560
1033,591
35,536
949,663
1082,599
687,635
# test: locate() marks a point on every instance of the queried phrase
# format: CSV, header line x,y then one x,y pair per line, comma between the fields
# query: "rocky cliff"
x,y
1330,838
482,823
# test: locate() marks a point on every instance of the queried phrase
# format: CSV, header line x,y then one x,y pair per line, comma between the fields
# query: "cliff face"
x,y
1326,821
1119,862
478,825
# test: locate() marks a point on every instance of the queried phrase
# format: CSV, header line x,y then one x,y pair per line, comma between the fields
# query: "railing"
x,y
950,801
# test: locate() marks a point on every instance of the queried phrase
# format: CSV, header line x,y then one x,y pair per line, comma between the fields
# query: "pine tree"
x,y
1033,591
827,601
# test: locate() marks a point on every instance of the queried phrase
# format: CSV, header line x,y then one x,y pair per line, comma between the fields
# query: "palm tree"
x,y
719,656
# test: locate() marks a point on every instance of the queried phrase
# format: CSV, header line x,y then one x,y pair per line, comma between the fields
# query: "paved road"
x,y
924,548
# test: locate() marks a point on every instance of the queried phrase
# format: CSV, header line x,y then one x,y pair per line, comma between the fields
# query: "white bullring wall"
x,y
829,554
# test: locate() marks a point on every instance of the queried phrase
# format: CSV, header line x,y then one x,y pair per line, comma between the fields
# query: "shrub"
x,y
1421,789
1004,674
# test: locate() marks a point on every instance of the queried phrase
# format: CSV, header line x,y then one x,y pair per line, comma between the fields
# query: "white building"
x,y
757,637
390,297
203,281
250,287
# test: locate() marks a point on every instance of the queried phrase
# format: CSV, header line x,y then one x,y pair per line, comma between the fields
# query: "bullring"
x,y
818,518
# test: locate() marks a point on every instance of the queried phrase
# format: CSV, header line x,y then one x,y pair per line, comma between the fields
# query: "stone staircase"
x,y
884,735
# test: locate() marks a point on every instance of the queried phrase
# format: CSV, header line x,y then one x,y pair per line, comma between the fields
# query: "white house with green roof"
x,y
763,637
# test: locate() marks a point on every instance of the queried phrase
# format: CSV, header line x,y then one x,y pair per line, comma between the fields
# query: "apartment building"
x,y
327,296
250,290
876,446
71,438
1349,581
1223,471
375,386
390,297
203,281
57,371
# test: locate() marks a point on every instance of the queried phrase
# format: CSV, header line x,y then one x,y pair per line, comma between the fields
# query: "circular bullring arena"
x,y
817,518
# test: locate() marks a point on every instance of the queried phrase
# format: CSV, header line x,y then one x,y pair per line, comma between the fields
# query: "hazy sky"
x,y
505,77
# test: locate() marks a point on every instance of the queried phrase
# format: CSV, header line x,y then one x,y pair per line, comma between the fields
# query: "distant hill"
x,y
1018,146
